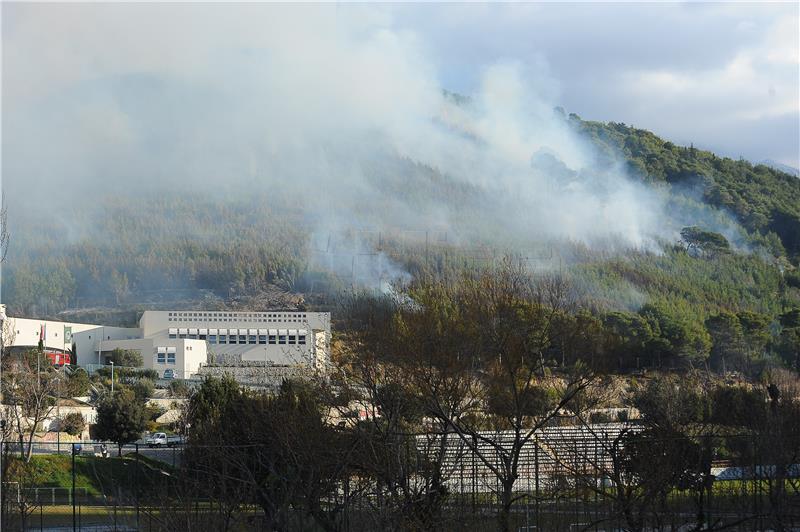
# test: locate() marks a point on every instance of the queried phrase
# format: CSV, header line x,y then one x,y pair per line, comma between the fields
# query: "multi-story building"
x,y
283,338
178,343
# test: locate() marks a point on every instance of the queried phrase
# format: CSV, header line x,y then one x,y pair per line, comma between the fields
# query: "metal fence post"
x,y
72,494
755,485
136,486
536,481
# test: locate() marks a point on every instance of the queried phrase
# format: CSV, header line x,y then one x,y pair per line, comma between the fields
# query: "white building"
x,y
283,338
177,343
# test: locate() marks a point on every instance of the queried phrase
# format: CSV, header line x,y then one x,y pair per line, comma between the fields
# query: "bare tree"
x,y
30,397
5,235
773,449
477,353
635,466
400,455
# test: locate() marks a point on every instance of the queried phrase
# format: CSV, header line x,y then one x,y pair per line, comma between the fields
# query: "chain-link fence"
x,y
564,479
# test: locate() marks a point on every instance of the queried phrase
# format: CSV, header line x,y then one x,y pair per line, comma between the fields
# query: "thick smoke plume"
x,y
335,111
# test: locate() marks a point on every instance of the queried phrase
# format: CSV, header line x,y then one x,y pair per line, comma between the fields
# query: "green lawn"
x,y
97,475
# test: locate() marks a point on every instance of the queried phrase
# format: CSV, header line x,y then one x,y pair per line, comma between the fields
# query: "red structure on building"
x,y
57,359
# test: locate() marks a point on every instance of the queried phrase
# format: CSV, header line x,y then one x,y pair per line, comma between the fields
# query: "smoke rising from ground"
x,y
335,111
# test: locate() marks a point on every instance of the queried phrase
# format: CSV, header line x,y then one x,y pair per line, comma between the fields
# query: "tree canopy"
x,y
121,418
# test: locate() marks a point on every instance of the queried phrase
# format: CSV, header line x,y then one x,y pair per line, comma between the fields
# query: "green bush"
x,y
73,424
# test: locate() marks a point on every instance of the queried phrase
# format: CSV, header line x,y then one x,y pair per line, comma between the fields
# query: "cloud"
x,y
759,82
674,68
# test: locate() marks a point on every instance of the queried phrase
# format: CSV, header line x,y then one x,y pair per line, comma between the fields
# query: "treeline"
x,y
113,253
676,292
686,322
454,404
445,376
403,468
130,248
764,200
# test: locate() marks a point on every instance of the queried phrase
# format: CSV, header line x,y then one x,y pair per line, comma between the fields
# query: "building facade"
x,y
280,338
178,343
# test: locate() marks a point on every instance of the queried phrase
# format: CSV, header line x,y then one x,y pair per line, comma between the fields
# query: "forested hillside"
x,y
764,200
701,297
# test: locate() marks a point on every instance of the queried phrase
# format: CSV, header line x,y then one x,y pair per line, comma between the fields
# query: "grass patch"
x,y
99,476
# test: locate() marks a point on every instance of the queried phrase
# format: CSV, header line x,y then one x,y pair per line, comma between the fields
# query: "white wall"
x,y
24,332
90,342
189,354
204,324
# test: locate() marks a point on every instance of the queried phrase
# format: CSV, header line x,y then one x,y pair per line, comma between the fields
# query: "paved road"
x,y
169,455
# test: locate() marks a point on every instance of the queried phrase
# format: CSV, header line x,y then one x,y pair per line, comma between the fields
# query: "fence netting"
x,y
579,478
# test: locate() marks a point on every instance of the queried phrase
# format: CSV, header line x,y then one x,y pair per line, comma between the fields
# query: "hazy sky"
x,y
724,76
91,89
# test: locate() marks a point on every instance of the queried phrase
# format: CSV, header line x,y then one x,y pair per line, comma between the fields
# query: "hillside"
x,y
192,250
766,201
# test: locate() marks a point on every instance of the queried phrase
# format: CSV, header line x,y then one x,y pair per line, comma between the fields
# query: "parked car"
x,y
169,373
160,439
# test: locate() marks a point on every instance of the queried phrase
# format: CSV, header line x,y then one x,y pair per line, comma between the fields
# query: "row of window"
x,y
236,315
262,320
165,358
246,339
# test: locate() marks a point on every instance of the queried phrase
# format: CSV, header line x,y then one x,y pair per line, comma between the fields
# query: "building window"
x,y
251,339
232,339
282,339
161,358
212,338
202,336
172,336
301,339
170,358
242,338
262,339
272,339
292,339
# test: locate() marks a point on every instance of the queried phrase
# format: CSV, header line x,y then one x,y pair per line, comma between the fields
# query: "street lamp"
x,y
112,376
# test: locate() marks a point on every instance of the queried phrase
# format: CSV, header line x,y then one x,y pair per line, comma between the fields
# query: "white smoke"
x,y
312,103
